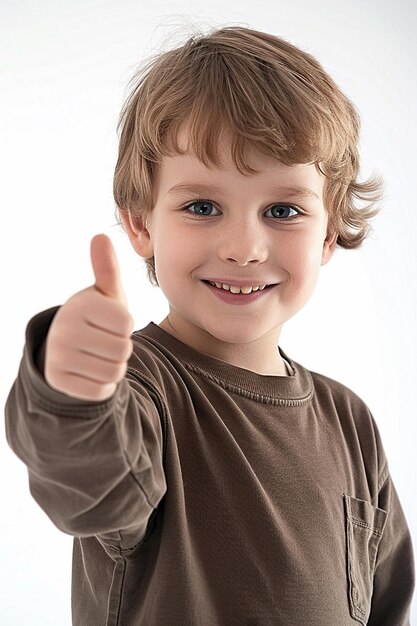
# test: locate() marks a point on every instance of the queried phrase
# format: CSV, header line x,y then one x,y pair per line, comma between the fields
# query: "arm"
x,y
91,438
394,576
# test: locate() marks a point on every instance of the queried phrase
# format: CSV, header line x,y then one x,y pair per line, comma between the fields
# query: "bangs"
x,y
259,103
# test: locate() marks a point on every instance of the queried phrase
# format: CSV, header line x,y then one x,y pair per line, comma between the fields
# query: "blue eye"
x,y
283,209
202,207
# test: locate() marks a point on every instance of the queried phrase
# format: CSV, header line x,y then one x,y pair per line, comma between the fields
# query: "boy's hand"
x,y
88,343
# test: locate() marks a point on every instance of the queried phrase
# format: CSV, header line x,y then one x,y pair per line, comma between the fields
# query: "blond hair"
x,y
267,94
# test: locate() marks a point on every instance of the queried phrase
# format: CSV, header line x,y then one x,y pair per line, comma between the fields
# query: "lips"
x,y
240,282
238,298
238,288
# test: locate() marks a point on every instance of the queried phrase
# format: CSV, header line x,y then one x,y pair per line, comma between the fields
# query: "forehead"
x,y
180,168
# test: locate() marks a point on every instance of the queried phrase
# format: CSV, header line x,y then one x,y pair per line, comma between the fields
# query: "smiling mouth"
x,y
238,291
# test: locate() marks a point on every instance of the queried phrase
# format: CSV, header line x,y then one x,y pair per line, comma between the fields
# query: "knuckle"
x,y
108,373
123,351
129,350
126,321
120,372
126,349
120,349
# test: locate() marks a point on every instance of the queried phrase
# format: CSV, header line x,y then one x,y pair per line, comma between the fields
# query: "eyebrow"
x,y
291,192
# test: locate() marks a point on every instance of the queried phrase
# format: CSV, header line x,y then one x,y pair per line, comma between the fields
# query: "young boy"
x,y
207,478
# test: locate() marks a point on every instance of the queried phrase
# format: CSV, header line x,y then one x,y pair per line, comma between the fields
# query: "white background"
x,y
64,69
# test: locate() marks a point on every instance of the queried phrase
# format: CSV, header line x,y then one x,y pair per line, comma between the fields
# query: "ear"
x,y
328,246
139,236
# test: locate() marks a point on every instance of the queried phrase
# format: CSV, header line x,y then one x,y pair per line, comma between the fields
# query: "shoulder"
x,y
341,405
348,416
331,390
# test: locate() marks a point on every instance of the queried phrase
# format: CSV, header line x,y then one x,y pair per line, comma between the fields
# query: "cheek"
x,y
178,244
176,256
301,255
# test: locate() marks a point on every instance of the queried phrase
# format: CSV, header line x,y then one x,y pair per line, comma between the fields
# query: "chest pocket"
x,y
364,528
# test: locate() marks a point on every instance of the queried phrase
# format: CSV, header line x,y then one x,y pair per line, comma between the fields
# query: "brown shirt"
x,y
204,494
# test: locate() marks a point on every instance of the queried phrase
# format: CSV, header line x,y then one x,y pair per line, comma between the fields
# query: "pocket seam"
x,y
353,593
359,522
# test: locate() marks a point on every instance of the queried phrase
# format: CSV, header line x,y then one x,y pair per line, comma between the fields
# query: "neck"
x,y
254,358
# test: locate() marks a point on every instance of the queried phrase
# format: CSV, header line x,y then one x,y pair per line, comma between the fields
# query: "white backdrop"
x,y
64,69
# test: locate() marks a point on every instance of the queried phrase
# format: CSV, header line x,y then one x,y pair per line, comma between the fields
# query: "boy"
x,y
207,478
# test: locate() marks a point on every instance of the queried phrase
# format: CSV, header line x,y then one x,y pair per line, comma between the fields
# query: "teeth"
x,y
235,289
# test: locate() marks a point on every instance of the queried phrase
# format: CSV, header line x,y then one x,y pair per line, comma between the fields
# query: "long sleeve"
x,y
95,468
394,577
198,477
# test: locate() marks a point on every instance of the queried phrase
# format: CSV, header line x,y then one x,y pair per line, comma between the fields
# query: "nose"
x,y
243,242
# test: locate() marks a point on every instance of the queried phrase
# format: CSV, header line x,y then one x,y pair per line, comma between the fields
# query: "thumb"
x,y
106,268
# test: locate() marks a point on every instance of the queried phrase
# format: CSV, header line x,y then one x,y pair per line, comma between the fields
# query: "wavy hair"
x,y
265,93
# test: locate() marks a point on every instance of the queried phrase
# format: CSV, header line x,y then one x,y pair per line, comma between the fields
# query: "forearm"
x,y
87,461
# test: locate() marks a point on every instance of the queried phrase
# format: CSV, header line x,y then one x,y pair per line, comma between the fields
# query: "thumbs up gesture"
x,y
88,343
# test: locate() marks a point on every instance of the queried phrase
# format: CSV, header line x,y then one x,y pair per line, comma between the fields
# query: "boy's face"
x,y
243,234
